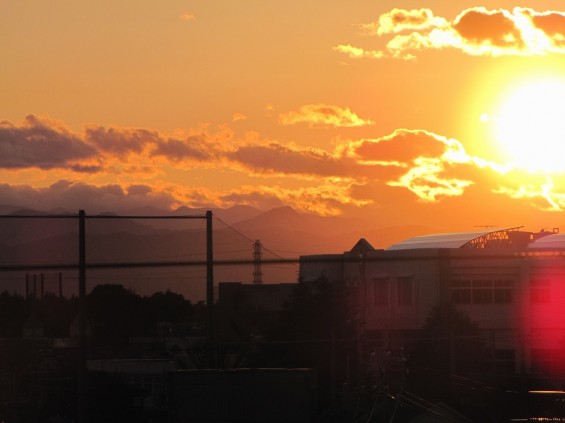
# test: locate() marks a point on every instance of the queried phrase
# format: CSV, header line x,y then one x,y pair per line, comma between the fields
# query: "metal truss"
x,y
492,240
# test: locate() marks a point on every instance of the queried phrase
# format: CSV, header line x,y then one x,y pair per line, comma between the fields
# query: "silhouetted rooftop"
x,y
499,238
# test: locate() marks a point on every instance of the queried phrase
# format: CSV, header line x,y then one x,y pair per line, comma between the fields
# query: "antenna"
x,y
485,227
257,254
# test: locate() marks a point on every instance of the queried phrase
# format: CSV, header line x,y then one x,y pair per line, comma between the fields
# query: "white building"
x,y
509,282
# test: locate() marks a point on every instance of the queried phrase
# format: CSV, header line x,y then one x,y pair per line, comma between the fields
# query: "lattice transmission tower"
x,y
257,254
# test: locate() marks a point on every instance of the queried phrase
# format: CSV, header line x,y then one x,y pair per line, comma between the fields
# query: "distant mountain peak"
x,y
281,211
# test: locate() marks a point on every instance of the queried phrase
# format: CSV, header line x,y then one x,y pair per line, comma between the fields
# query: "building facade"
x,y
509,282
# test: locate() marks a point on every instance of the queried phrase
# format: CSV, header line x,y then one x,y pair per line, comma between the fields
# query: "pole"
x,y
209,276
82,318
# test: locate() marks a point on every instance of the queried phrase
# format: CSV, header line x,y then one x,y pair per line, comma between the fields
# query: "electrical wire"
x,y
247,238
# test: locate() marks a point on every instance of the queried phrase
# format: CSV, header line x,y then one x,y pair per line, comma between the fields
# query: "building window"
x,y
461,291
502,291
380,291
405,291
540,291
482,291
505,361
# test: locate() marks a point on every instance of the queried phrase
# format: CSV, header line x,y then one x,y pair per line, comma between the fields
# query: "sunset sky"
x,y
401,112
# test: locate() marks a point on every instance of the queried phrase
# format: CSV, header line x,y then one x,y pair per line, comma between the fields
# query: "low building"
x,y
511,283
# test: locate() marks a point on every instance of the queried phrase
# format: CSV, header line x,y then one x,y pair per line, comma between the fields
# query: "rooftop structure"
x,y
554,241
499,238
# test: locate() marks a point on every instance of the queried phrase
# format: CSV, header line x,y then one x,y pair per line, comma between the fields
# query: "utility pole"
x,y
82,393
210,276
257,254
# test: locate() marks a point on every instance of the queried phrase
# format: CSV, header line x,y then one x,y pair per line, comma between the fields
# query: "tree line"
x,y
114,313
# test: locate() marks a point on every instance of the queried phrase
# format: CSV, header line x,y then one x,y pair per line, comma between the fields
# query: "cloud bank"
x,y
355,173
475,31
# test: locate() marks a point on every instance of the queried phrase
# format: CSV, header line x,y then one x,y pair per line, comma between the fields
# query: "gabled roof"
x,y
474,239
362,246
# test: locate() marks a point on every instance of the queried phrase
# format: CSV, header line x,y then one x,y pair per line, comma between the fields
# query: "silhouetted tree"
x,y
166,307
315,310
13,312
113,312
314,330
57,314
450,352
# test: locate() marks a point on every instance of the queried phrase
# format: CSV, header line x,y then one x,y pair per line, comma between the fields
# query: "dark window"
x,y
461,291
502,293
381,288
482,291
355,282
405,291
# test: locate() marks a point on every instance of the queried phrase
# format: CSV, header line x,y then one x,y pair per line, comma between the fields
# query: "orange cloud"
x,y
425,155
475,31
425,180
399,20
238,116
428,166
323,115
357,52
278,159
187,16
326,199
544,192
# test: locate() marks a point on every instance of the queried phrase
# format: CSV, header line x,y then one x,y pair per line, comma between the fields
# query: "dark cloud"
x,y
277,158
36,144
72,195
121,142
47,145
177,150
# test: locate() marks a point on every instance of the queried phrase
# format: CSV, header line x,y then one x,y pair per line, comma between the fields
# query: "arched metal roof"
x,y
553,241
476,239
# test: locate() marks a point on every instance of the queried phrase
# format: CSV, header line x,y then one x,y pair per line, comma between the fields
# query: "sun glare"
x,y
530,126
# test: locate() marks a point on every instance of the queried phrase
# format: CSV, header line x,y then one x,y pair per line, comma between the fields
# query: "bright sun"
x,y
530,126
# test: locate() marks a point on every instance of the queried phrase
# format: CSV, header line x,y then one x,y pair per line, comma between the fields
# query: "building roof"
x,y
554,241
362,246
474,239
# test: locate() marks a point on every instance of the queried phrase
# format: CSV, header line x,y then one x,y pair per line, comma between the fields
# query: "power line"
x,y
249,239
281,260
